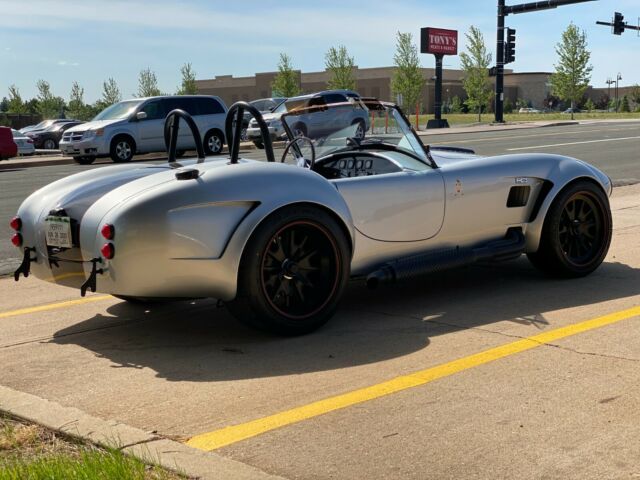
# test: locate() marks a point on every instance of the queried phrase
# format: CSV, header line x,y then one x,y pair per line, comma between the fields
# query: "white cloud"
x,y
65,63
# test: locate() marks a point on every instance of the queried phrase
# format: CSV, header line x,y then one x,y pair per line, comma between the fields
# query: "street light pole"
x,y
618,78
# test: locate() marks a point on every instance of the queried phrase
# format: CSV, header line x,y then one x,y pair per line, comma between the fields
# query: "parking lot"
x,y
479,372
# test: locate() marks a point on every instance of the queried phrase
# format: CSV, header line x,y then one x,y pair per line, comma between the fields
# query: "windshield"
x,y
339,126
118,110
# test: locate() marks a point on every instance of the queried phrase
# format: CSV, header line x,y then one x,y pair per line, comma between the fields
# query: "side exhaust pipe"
x,y
512,246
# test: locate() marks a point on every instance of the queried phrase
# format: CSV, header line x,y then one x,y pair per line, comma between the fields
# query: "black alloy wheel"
x,y
293,272
577,232
300,270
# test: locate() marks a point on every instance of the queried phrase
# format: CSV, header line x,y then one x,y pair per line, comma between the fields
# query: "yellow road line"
x,y
54,306
236,433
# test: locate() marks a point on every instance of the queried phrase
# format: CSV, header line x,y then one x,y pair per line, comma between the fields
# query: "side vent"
x,y
518,196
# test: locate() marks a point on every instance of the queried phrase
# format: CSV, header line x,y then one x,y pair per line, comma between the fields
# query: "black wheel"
x,y
85,160
259,145
360,130
576,234
122,149
213,143
50,144
293,272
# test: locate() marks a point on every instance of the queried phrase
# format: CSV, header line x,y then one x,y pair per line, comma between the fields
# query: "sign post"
x,y
438,42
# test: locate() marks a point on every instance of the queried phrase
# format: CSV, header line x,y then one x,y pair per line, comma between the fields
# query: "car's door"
x,y
390,204
337,117
151,128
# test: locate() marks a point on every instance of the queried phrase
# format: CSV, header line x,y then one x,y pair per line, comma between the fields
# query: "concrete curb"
x,y
148,447
493,128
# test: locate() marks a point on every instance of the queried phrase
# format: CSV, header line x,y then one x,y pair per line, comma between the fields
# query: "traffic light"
x,y
618,23
510,46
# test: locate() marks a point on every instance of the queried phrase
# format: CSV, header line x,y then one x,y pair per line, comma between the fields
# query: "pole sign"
x,y
438,41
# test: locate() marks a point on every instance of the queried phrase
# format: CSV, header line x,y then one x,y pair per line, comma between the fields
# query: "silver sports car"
x,y
277,241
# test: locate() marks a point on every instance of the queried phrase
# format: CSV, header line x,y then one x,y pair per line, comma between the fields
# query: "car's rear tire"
x,y
50,144
293,272
213,142
122,149
85,160
576,234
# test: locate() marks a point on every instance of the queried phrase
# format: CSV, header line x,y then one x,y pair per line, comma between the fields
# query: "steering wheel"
x,y
307,163
233,132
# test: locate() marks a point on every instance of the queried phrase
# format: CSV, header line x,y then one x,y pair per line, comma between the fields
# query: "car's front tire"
x,y
84,160
50,144
213,142
576,234
122,149
293,272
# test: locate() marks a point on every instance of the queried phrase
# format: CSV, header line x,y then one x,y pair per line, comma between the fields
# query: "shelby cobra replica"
x,y
278,241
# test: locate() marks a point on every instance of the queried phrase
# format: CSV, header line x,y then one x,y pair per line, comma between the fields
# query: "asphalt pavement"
x,y
480,372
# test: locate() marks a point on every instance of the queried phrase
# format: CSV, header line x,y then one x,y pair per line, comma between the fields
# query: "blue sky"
x,y
91,40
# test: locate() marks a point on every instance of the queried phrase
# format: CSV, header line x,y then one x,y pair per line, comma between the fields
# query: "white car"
x,y
24,143
137,126
529,110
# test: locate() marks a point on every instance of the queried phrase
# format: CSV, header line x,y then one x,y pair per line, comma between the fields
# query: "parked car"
x,y
24,143
137,126
264,105
344,109
571,110
8,147
45,124
529,110
49,138
277,241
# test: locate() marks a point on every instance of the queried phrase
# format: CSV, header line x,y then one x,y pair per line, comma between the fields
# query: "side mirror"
x,y
141,116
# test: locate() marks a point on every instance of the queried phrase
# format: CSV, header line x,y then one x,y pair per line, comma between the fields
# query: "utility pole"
x,y
618,78
503,11
609,82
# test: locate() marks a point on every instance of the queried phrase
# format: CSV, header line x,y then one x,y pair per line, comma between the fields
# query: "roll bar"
x,y
171,127
233,137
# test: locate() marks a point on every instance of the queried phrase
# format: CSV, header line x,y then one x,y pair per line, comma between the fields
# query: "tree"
x,y
475,63
573,71
407,79
76,108
16,105
456,105
110,92
624,105
188,86
340,66
634,94
287,82
507,107
589,105
4,105
49,106
148,84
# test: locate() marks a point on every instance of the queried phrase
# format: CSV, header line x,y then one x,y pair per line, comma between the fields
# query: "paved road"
x,y
613,147
476,373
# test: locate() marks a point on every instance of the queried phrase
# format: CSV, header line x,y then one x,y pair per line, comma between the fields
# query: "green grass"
x,y
30,452
472,119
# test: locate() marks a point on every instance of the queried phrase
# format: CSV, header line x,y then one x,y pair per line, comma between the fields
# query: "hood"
x,y
94,125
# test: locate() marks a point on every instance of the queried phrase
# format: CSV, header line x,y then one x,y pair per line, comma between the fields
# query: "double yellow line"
x,y
236,433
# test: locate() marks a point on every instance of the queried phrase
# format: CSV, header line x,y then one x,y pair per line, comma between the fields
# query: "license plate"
x,y
58,232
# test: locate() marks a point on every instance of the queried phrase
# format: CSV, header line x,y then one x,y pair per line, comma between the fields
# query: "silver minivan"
x,y
137,126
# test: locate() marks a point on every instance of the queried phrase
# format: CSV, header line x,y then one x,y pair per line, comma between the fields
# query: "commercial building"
x,y
532,87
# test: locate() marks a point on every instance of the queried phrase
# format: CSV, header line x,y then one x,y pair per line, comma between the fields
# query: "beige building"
x,y
376,82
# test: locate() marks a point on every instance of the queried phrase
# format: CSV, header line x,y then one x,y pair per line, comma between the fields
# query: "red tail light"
x,y
16,239
108,231
16,223
108,251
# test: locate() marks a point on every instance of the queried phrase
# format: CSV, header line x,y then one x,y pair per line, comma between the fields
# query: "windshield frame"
x,y
370,104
